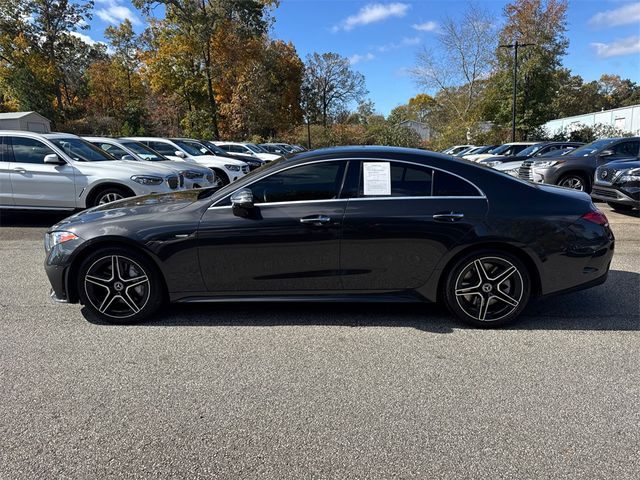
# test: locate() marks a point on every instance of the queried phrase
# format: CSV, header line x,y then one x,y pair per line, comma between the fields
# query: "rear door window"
x,y
448,185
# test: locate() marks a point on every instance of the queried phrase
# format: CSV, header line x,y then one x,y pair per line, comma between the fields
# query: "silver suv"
x,y
59,171
194,175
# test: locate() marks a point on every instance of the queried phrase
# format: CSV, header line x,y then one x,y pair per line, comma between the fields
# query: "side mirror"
x,y
53,159
127,157
243,198
180,154
606,153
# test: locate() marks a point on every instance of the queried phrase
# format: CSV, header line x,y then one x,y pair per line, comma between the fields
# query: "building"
x,y
422,129
30,121
626,119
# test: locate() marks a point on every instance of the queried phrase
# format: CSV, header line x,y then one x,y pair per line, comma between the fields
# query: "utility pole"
x,y
514,47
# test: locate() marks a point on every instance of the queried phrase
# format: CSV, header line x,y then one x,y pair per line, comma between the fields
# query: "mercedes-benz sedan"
x,y
347,224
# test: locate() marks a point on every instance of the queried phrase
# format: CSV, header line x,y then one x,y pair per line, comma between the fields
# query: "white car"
x,y
192,175
248,149
227,170
456,149
58,171
506,150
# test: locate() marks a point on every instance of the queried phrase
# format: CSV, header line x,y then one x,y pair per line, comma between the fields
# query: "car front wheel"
x,y
574,181
487,288
119,286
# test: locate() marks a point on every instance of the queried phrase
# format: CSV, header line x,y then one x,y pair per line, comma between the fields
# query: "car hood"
x,y
161,203
504,166
623,163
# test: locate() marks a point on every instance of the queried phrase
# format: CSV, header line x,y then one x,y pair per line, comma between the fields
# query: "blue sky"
x,y
382,38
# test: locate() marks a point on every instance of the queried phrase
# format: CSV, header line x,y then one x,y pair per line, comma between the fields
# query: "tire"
x,y
132,295
224,179
109,195
487,288
575,181
620,206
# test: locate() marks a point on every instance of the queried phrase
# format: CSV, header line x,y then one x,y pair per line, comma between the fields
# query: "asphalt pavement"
x,y
318,391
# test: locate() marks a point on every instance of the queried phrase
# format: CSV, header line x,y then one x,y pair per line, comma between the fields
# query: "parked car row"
x,y
606,168
65,172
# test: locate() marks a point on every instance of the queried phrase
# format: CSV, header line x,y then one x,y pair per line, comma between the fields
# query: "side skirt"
x,y
368,297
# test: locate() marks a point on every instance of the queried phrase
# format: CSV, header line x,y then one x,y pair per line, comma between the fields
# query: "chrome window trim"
x,y
481,196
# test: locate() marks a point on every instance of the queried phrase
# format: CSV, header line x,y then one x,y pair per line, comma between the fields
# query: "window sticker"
x,y
377,178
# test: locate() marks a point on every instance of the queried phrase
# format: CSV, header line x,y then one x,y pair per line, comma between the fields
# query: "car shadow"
x,y
613,306
25,218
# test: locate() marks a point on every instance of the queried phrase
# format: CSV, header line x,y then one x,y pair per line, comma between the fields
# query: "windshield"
x,y
216,149
529,151
144,152
501,149
255,148
589,148
81,150
192,148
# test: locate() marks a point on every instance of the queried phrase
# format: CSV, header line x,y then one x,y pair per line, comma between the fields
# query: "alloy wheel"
x,y
489,289
573,182
109,197
117,286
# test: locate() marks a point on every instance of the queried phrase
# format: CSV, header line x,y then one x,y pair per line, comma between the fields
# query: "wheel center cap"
x,y
118,286
487,287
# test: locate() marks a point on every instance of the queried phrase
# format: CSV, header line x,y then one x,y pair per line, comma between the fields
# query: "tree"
x,y
331,85
456,69
542,23
199,21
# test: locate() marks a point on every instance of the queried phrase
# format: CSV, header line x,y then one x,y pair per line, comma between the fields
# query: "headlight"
x,y
233,168
191,174
632,175
492,163
513,172
55,238
545,163
147,180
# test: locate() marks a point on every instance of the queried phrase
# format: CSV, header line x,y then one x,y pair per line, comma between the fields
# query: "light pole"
x,y
514,47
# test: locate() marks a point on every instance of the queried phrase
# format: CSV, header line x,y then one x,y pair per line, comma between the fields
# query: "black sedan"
x,y
347,224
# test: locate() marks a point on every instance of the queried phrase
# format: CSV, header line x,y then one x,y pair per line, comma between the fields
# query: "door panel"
x,y
37,184
395,244
271,249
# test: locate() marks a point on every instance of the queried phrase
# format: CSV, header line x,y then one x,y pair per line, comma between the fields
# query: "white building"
x,y
626,119
422,129
30,121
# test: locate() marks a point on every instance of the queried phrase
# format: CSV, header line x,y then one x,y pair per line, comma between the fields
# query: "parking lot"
x,y
318,391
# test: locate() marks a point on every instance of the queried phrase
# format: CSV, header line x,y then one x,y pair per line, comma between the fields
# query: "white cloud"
x,y
625,46
353,59
406,42
426,26
85,38
114,12
371,13
619,16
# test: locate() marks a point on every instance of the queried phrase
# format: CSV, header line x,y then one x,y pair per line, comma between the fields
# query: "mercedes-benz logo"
x,y
487,287
118,286
604,174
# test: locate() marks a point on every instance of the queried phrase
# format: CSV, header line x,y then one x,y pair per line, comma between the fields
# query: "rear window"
x,y
447,185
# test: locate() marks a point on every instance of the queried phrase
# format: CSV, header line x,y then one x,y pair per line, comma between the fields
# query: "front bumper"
x,y
612,194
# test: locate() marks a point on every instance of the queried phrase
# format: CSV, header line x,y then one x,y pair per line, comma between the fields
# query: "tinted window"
x,y
447,185
5,151
29,150
192,148
626,149
144,152
317,181
163,148
81,150
410,180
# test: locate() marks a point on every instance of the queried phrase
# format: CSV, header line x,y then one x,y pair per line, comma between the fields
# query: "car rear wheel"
x,y
119,286
222,177
620,206
574,181
109,195
487,288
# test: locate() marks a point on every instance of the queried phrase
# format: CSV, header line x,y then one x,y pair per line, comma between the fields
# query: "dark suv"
x,y
618,184
577,168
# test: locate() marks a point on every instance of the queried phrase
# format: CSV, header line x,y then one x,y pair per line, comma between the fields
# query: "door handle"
x,y
19,170
316,220
448,217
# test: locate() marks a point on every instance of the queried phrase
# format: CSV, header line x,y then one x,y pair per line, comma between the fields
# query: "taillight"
x,y
596,216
